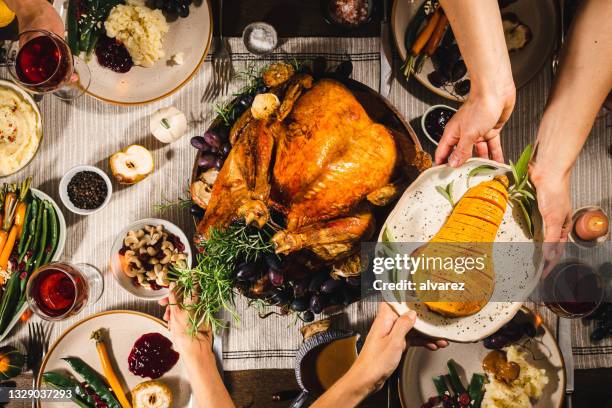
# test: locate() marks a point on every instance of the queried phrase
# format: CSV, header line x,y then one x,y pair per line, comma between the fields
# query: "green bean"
x,y
24,228
454,377
79,394
476,390
53,235
440,385
42,245
28,228
95,381
37,227
9,300
72,26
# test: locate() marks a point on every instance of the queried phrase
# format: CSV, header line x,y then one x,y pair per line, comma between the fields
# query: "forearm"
x,y
477,27
347,392
582,84
206,383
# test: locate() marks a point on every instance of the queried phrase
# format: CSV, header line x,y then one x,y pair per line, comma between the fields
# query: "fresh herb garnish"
x,y
447,192
208,288
179,203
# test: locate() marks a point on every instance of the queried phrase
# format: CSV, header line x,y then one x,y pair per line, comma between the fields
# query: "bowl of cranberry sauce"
x,y
152,356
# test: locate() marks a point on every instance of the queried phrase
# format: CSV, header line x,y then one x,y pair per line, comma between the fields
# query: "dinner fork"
x,y
222,65
37,347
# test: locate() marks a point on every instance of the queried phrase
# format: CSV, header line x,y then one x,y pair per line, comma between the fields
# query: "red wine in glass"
x,y
43,62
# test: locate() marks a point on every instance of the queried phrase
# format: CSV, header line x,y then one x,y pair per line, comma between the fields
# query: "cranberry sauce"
x,y
112,54
436,121
152,356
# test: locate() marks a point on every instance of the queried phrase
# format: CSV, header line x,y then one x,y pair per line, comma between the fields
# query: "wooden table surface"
x,y
293,18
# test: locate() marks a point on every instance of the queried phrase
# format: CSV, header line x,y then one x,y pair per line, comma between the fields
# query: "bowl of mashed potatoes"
x,y
20,128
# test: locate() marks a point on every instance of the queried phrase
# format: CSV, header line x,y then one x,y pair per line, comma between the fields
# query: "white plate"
x,y
421,365
191,36
123,279
124,328
540,16
419,215
58,252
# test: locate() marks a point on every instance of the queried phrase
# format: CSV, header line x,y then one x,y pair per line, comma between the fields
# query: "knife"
x,y
386,55
564,337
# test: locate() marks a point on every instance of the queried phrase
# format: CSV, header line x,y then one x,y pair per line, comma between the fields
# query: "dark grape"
x,y
218,163
261,89
319,66
206,161
183,10
245,271
246,100
213,139
462,88
199,143
436,79
308,316
300,287
495,341
459,70
512,331
316,304
529,329
225,149
331,285
169,7
273,262
196,211
158,4
354,280
335,299
345,69
317,281
276,277
281,298
299,305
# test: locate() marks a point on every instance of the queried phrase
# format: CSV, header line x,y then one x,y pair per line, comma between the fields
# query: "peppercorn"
x,y
87,190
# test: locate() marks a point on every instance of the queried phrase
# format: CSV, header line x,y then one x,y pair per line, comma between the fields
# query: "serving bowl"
x,y
28,99
125,281
63,189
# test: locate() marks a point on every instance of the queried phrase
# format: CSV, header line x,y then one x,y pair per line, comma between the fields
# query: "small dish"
x,y
431,138
63,189
330,19
115,263
573,237
259,29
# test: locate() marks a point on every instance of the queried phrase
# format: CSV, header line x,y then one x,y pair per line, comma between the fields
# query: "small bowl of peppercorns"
x,y
85,190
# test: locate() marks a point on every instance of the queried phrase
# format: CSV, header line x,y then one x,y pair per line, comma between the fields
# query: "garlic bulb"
x,y
168,124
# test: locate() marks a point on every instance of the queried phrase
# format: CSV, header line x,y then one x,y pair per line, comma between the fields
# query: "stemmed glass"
x,y
41,62
59,290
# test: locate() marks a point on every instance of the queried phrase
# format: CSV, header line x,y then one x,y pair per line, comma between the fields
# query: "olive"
x,y
436,79
354,281
299,305
225,149
598,334
245,271
218,163
196,211
331,285
462,88
300,287
212,138
308,316
495,341
459,70
206,161
316,304
345,69
183,10
273,261
199,143
276,277
317,281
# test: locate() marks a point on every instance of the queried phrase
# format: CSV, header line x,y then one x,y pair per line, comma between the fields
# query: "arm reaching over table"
x,y
36,15
583,81
199,358
477,26
378,359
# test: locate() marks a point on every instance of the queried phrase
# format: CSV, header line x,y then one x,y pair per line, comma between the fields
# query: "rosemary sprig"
x,y
208,288
179,203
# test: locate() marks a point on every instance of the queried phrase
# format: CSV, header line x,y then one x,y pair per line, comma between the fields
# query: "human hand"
x,y
179,326
36,15
477,124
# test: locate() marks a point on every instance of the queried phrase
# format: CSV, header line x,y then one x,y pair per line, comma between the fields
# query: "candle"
x,y
591,225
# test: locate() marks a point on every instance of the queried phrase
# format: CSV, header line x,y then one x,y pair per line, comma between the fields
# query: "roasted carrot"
x,y
436,37
20,215
107,367
8,248
3,238
426,33
26,315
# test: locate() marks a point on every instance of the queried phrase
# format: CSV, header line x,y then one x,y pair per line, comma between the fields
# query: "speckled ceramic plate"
x,y
124,328
540,16
421,365
190,36
419,215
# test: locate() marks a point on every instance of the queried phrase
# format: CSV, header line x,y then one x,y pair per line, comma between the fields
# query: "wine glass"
x,y
60,289
41,62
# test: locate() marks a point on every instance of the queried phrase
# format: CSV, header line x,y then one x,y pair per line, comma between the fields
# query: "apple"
x,y
132,164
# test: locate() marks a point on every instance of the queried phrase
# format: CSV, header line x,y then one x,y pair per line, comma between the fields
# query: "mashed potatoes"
x,y
527,386
140,29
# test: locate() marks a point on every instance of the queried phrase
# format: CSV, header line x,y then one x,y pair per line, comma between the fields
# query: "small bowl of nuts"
x,y
143,255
